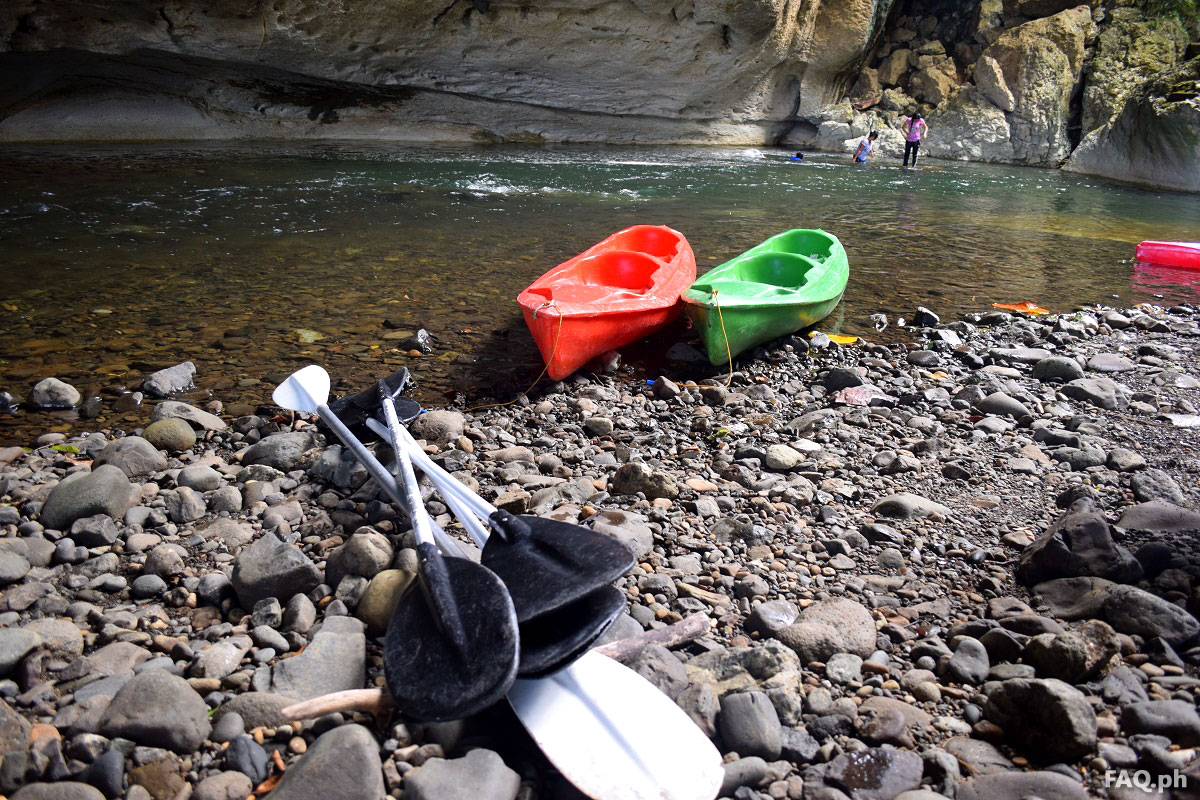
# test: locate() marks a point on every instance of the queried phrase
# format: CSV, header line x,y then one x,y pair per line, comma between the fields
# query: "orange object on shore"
x,y
616,292
1022,308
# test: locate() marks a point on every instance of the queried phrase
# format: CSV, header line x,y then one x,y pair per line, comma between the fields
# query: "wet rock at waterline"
x,y
197,418
53,393
171,380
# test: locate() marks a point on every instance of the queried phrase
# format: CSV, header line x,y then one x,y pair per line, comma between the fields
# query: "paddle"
x,y
300,392
613,735
545,563
455,653
609,731
466,606
553,638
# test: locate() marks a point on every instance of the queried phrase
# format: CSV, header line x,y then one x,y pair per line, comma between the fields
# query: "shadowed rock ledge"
x,y
696,72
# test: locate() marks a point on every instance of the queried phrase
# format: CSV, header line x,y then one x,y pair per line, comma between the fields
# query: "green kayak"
x,y
790,281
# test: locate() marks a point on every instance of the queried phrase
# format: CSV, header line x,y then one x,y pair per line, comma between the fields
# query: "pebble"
x,y
954,526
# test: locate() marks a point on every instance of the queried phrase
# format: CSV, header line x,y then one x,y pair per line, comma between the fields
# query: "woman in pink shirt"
x,y
914,128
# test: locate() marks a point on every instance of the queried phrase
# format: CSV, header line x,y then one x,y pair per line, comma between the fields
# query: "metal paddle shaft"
x,y
432,676
549,640
455,654
432,575
307,390
545,563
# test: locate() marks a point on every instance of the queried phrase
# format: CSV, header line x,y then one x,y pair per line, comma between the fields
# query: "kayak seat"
x,y
808,242
648,239
610,274
784,270
732,290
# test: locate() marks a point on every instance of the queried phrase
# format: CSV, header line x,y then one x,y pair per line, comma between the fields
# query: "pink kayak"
x,y
1170,254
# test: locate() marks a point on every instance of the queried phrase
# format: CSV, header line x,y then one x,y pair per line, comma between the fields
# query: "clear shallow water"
x,y
253,259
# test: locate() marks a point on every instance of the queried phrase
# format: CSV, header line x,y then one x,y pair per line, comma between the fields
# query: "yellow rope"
x,y
553,352
721,316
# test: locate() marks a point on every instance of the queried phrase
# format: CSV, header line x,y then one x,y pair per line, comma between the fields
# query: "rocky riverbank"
x,y
963,565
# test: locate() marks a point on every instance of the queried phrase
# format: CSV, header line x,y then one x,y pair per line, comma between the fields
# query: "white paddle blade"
x,y
304,390
613,735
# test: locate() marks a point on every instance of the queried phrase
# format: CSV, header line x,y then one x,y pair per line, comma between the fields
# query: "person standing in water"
x,y
914,128
865,147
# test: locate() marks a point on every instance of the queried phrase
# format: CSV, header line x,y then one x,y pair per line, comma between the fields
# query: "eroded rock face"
x,y
1129,51
1039,64
575,70
1154,139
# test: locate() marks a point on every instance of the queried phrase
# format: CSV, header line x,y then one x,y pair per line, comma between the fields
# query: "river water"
x,y
253,259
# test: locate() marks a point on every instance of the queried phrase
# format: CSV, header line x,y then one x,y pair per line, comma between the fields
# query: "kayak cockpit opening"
x,y
618,269
784,270
652,240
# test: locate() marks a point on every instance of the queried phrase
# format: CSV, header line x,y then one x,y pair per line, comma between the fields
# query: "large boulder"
x,y
1078,544
1042,62
343,762
1133,610
104,490
158,709
1048,719
1039,64
479,775
936,83
285,451
133,455
830,626
170,381
893,68
334,661
1155,139
53,393
272,567
992,84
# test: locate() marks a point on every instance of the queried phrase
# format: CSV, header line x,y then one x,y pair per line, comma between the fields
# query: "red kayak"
x,y
1170,254
621,290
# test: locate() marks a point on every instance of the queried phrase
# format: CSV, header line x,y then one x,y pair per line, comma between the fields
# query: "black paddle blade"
x,y
552,641
432,676
353,409
554,564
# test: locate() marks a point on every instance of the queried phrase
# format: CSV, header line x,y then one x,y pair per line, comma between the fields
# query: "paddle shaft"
x,y
442,479
402,441
386,481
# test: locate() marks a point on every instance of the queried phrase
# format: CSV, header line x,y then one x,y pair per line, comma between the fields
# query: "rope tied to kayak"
x,y
553,351
721,317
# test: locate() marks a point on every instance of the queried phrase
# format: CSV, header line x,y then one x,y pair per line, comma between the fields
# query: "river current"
x,y
253,259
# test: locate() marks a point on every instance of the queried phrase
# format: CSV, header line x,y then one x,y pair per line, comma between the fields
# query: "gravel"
x,y
958,547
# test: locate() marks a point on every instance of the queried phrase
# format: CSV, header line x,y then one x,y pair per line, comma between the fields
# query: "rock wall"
x,y
1154,139
731,71
1020,108
1129,51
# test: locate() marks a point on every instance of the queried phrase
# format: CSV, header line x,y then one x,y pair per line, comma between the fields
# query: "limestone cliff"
x,y
1154,139
734,71
1129,51
1020,107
